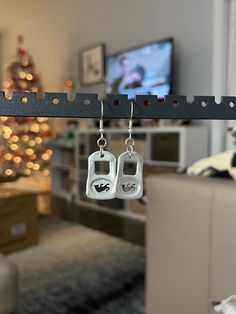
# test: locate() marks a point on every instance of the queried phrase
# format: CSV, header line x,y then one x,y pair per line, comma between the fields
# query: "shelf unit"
x,y
63,169
163,149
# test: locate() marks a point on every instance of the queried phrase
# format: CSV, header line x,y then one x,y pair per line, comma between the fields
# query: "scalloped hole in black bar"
x,y
190,99
55,101
116,102
161,100
24,100
86,102
175,103
203,104
146,102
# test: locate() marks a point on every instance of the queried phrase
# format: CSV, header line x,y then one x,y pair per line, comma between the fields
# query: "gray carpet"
x,y
78,270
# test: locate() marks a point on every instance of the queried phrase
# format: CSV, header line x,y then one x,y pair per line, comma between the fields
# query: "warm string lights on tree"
x,y
21,74
23,145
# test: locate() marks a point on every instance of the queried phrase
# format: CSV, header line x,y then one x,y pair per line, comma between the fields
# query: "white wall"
x,y
231,68
55,30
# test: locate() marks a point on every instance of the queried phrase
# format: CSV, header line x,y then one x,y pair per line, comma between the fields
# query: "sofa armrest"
x,y
178,244
8,286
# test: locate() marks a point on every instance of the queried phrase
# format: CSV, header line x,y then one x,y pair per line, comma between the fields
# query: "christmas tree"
x,y
23,144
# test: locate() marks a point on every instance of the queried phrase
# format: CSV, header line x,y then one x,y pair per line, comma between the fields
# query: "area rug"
x,y
77,270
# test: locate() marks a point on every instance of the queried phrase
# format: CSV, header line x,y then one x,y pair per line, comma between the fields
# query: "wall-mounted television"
x,y
143,70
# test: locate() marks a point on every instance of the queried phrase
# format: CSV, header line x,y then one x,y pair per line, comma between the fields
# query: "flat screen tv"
x,y
143,70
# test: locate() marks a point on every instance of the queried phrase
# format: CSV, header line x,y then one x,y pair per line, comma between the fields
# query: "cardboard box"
x,y
38,184
18,220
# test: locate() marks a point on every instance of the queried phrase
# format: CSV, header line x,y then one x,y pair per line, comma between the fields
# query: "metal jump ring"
x,y
102,142
129,141
101,152
130,150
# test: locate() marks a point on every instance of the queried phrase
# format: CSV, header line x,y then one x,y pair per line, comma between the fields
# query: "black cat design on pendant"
x,y
128,187
102,187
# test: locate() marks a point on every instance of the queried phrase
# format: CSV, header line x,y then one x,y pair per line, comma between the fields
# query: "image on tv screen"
x,y
146,70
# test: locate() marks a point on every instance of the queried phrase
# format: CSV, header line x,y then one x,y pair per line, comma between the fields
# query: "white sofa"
x,y
191,243
8,286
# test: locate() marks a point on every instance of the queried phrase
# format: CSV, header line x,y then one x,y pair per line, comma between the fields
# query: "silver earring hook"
x,y
129,142
101,119
101,103
101,142
131,118
131,110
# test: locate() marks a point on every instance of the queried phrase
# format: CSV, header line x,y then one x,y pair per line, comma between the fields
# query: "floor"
x,y
75,269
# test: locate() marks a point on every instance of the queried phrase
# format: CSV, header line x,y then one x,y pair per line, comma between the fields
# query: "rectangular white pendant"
x,y
101,186
129,186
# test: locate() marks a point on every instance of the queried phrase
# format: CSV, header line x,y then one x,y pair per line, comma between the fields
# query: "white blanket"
x,y
214,165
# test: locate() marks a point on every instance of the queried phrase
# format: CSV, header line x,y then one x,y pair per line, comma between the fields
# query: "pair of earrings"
x,y
115,183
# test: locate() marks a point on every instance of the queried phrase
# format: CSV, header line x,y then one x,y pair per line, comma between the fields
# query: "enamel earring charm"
x,y
100,186
129,185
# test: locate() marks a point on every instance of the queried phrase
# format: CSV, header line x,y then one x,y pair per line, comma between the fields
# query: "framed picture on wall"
x,y
92,65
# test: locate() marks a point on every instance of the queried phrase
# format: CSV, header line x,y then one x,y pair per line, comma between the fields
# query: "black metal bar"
x,y
118,106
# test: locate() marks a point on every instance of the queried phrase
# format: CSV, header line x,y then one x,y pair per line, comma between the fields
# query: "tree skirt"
x,y
78,270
